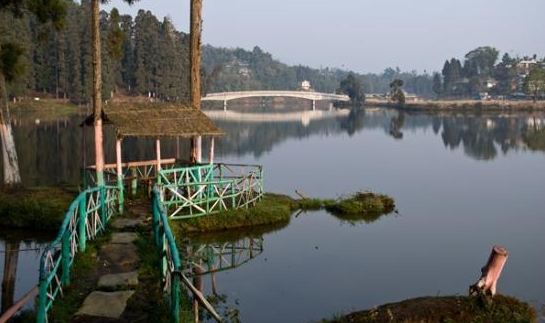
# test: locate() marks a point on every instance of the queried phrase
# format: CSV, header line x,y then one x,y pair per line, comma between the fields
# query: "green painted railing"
x,y
207,189
87,217
171,263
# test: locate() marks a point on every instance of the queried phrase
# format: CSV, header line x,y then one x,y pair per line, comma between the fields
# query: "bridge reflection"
x,y
209,258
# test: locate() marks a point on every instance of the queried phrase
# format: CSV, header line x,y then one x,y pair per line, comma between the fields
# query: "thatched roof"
x,y
158,120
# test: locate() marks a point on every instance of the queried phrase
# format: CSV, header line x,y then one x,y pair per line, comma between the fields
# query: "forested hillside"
x,y
146,56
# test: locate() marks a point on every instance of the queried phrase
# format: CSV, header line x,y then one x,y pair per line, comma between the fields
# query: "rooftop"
x,y
157,120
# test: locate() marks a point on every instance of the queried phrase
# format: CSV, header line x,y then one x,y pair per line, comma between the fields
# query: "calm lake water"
x,y
462,183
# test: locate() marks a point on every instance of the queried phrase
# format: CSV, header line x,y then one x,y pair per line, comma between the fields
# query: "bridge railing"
x,y
133,172
87,217
171,263
201,190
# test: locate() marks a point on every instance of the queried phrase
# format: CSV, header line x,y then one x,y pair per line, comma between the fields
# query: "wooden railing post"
x,y
65,258
82,223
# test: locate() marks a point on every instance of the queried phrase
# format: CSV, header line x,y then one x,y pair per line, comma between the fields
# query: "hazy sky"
x,y
364,35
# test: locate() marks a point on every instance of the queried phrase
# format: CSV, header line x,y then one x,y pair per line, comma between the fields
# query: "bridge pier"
x,y
224,105
313,105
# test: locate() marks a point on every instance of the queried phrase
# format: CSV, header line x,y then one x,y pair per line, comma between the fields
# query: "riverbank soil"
x,y
461,105
446,309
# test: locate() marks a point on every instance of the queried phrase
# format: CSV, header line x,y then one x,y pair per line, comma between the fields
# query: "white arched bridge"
x,y
309,95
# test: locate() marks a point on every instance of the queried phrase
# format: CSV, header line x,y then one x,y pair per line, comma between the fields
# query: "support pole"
x,y
195,30
158,156
211,154
490,273
313,105
224,105
119,173
97,92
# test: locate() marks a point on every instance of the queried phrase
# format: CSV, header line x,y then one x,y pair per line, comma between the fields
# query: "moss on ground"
x,y
446,309
83,279
40,208
273,208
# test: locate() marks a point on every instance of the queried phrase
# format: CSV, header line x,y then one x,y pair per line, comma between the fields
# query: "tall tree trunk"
x,y
195,66
97,91
12,175
11,258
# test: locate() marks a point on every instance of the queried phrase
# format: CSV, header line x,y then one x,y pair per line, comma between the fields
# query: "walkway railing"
x,y
171,263
87,217
207,189
133,172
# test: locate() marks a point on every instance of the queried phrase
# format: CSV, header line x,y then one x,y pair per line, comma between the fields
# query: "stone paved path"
x,y
118,266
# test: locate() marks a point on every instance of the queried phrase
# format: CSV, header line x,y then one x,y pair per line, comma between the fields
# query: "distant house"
x,y
490,83
305,86
525,66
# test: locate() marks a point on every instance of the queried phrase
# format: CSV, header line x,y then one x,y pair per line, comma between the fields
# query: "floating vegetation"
x,y
446,309
361,206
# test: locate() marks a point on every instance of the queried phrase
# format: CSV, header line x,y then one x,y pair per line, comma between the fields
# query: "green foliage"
x,y
10,64
437,84
36,208
396,93
534,84
352,86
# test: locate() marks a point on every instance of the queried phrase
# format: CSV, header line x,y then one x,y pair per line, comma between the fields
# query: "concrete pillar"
x,y
224,105
313,105
158,157
119,171
211,154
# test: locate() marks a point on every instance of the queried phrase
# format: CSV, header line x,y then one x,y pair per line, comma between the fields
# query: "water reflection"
x,y
203,258
21,258
51,150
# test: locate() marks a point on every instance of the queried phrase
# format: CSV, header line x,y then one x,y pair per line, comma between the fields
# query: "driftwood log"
x,y
490,273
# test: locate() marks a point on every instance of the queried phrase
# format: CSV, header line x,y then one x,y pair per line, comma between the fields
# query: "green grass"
x,y
41,208
273,208
83,280
446,309
45,110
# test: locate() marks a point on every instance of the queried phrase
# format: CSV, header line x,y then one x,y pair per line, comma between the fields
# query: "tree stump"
x,y
490,273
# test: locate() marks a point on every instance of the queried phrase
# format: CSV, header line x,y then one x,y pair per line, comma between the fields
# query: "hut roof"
x,y
158,120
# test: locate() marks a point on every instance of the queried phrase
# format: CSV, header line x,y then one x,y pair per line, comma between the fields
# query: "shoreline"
x,y
461,105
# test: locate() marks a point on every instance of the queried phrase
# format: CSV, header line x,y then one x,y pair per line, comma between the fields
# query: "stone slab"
x,y
124,223
118,281
119,257
123,237
105,304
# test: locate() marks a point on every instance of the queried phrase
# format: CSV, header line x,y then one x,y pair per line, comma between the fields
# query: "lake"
x,y
462,182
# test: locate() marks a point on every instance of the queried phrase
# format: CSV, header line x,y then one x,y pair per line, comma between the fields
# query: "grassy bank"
x,y
446,309
41,208
44,110
461,105
276,209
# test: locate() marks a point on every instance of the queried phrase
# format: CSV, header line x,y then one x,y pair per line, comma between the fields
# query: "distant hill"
x,y
145,56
